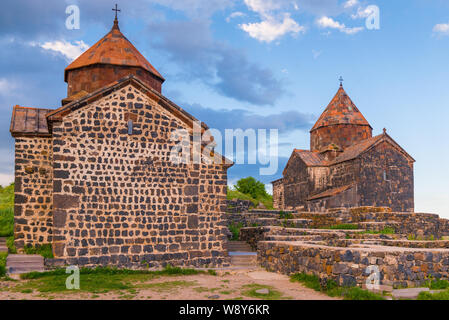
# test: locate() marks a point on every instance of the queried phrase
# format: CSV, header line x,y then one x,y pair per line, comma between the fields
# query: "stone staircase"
x,y
3,247
241,255
24,263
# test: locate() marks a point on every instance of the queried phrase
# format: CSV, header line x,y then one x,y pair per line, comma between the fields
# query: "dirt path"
x,y
225,286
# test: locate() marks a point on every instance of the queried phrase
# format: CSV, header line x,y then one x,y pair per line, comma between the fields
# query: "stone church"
x,y
346,166
93,178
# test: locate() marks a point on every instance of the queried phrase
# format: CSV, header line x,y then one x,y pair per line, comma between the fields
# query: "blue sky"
x,y
256,64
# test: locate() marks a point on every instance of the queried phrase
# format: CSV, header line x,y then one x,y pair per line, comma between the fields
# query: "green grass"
x,y
44,250
344,227
3,256
267,201
438,285
443,295
102,280
386,230
333,290
249,290
10,244
235,230
7,211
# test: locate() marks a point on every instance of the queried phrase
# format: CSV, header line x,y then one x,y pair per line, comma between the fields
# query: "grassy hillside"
x,y
267,200
7,211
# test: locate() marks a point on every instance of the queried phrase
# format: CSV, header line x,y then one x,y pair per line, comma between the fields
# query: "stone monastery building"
x,y
346,166
94,177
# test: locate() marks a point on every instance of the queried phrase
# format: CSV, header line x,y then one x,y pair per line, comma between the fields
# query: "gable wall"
x,y
119,200
296,183
33,191
397,191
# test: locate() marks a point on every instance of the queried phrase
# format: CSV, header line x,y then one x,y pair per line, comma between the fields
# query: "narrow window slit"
x,y
130,127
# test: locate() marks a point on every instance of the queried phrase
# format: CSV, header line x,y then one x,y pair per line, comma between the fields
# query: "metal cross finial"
x,y
341,81
116,11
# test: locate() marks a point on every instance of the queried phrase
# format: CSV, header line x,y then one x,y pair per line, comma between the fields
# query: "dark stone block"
x,y
61,174
58,249
191,190
192,208
65,201
59,218
192,222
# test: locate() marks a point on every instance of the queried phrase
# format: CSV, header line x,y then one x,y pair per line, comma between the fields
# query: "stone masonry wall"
x,y
278,194
33,191
386,179
348,266
118,198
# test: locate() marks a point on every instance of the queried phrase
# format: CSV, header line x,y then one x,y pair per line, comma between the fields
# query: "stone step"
x,y
243,259
21,263
238,246
3,247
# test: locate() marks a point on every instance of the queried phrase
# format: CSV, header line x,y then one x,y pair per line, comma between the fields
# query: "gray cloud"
x,y
243,119
225,69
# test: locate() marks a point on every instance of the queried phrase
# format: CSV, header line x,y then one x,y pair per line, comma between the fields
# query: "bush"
x,y
44,250
3,256
235,230
252,187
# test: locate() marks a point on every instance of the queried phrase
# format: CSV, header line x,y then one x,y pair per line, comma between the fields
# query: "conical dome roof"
x,y
341,110
113,49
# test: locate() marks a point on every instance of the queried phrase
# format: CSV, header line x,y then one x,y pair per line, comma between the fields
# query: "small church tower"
x,y
110,59
340,125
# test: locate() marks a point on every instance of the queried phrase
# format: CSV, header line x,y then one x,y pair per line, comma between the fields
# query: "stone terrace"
x,y
292,242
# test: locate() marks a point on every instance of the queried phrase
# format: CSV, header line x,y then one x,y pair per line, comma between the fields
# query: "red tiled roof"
x,y
341,110
29,121
355,150
330,192
114,48
310,158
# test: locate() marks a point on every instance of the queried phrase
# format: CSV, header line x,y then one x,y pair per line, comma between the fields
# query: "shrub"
x,y
252,187
235,230
44,250
3,256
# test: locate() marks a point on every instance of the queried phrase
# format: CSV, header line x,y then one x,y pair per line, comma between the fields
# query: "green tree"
x,y
251,187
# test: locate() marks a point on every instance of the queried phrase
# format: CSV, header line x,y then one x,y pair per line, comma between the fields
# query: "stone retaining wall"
x,y
349,266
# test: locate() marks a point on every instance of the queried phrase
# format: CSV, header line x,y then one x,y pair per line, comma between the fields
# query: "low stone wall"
x,y
152,261
238,206
351,266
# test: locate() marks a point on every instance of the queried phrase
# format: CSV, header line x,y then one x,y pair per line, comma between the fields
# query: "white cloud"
x,y
233,15
68,50
271,29
6,86
350,3
363,13
6,179
326,22
263,7
442,28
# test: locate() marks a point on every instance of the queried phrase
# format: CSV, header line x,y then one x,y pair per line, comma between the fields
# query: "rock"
x,y
261,206
214,297
263,291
